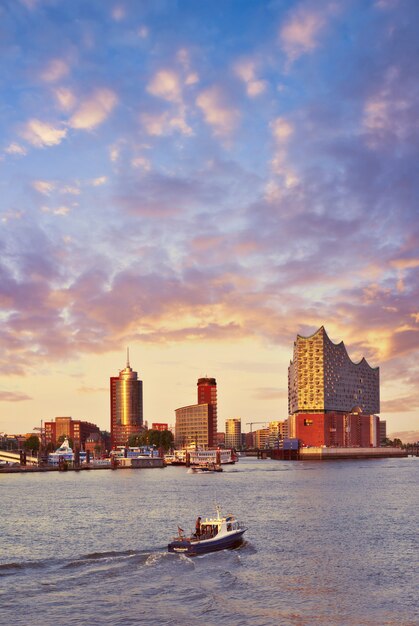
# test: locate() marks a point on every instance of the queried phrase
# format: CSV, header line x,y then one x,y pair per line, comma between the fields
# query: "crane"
x,y
251,424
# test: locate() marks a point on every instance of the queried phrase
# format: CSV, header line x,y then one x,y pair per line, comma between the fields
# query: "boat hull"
x,y
193,548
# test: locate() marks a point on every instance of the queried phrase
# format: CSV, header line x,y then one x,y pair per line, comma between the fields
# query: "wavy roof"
x,y
340,345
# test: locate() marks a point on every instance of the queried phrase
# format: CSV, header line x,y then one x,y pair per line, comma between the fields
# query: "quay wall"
x,y
132,464
310,454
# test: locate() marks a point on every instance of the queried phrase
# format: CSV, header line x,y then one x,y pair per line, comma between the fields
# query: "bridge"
x,y
15,457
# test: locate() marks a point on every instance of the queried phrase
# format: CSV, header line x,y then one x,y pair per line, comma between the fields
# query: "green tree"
x,y
158,438
31,443
136,440
166,440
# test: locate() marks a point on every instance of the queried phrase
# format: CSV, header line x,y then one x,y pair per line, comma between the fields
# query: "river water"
x,y
328,543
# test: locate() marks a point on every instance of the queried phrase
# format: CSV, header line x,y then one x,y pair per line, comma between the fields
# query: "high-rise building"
x,y
233,433
196,424
332,401
126,405
322,377
207,394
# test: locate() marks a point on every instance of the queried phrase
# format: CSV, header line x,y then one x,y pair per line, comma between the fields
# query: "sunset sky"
x,y
201,180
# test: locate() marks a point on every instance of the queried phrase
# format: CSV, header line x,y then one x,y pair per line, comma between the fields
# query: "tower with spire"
x,y
126,396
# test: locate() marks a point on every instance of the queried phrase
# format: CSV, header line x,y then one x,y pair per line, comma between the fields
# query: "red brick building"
x,y
96,444
77,430
332,428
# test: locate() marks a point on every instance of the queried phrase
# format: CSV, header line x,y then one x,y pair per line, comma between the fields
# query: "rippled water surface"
x,y
327,543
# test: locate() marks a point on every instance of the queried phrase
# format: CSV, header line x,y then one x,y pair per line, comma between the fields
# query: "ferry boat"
x,y
223,456
218,533
200,456
204,468
64,453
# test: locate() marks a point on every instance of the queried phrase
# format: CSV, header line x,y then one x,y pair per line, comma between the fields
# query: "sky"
x,y
201,181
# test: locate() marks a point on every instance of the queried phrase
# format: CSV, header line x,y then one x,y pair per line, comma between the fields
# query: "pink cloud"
x,y
218,113
94,110
301,32
42,134
13,396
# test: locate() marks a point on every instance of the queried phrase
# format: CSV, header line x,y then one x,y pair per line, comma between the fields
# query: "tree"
x,y
32,443
166,440
157,438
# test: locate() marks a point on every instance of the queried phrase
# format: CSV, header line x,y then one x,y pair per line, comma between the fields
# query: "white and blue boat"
x,y
218,533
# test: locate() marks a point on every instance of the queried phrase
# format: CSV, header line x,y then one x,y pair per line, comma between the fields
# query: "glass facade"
x,y
322,377
126,406
193,426
233,433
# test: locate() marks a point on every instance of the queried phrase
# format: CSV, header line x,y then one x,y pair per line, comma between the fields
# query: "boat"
x,y
65,454
197,456
223,456
204,468
218,533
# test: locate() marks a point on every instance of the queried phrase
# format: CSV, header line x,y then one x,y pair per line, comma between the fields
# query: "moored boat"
x,y
218,533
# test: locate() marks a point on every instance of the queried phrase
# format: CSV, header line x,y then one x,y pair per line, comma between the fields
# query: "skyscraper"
x,y
332,401
207,393
126,405
197,423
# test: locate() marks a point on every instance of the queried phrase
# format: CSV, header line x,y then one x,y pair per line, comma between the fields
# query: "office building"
x,y
78,431
278,430
233,433
196,424
261,438
332,401
126,394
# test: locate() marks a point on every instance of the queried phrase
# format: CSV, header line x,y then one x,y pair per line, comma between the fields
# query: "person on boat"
x,y
198,527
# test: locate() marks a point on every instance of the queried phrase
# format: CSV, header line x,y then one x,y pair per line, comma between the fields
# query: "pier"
x,y
83,467
324,454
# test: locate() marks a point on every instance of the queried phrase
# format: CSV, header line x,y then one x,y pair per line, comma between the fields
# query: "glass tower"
x,y
126,405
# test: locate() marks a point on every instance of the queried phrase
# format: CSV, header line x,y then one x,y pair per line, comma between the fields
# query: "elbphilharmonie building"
x,y
331,399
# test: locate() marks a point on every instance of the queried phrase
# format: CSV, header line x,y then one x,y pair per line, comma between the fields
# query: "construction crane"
x,y
251,424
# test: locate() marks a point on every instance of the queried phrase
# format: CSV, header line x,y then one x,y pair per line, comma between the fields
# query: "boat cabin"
x,y
212,527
